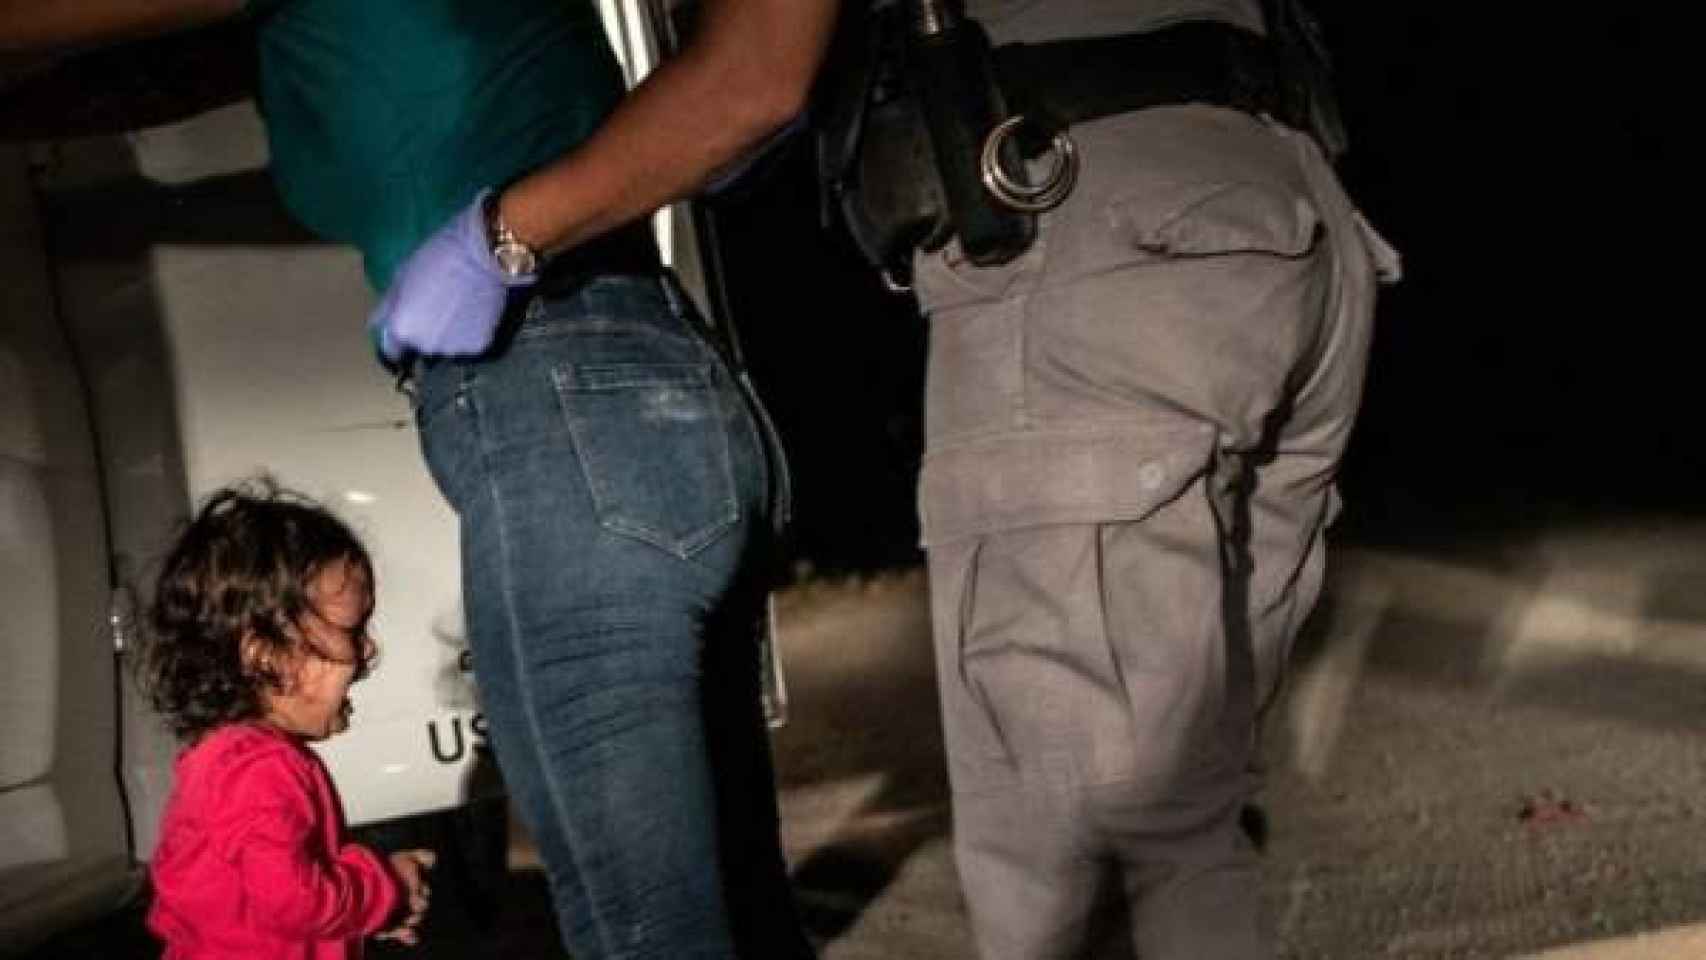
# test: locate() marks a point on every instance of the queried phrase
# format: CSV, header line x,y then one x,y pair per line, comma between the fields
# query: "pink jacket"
x,y
253,862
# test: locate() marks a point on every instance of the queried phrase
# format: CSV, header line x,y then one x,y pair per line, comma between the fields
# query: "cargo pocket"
x,y
1115,472
1198,299
652,440
1219,218
997,513
979,758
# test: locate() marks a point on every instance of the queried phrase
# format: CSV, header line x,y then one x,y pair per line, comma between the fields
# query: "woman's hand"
x,y
447,297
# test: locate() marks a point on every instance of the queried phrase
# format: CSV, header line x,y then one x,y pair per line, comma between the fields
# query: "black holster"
x,y
875,171
952,71
903,118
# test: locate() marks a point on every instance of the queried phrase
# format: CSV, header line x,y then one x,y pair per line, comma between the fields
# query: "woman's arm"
x,y
57,24
747,71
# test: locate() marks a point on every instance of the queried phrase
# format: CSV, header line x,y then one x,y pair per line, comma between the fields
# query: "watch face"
x,y
515,259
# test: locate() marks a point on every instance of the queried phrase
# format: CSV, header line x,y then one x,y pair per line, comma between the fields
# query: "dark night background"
x,y
1533,355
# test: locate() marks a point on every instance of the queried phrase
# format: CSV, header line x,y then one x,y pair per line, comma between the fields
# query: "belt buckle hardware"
x,y
1062,174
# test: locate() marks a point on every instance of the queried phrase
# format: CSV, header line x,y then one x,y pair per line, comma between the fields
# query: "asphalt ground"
x,y
1491,747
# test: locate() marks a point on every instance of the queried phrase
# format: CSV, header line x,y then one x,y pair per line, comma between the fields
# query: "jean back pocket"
x,y
653,440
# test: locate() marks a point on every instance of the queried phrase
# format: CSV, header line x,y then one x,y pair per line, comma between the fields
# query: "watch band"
x,y
514,257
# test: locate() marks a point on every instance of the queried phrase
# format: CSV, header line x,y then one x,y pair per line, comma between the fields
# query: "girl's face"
x,y
314,703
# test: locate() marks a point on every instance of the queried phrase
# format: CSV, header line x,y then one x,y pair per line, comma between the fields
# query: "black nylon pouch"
x,y
875,168
953,72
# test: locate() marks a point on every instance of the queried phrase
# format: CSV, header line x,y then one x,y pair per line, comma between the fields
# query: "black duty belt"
x,y
1064,82
628,250
924,128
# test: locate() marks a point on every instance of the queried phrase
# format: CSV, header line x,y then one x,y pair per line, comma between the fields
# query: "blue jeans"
x,y
614,490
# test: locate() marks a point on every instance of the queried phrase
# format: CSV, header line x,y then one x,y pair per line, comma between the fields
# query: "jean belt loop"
x,y
408,378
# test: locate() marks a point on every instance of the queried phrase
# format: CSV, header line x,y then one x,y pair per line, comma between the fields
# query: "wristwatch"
x,y
515,258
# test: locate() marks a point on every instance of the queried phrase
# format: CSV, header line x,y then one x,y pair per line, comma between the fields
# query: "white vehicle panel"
x,y
272,373
62,842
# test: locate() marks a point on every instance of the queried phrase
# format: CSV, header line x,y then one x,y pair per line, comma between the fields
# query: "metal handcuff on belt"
x,y
1057,184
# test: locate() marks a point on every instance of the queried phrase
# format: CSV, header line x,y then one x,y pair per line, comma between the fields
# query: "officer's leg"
x,y
1175,598
1028,880
1096,714
1029,883
1192,880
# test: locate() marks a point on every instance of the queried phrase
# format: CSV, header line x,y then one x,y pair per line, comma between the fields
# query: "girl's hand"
x,y
411,867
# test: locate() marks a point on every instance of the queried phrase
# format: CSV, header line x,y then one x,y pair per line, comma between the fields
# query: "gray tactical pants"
x,y
1132,434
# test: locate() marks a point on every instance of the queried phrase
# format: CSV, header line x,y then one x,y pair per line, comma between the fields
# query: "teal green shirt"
x,y
385,117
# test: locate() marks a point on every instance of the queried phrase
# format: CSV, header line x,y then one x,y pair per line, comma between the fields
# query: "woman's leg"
x,y
613,496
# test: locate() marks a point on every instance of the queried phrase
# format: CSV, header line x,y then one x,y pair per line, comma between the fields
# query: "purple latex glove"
x,y
446,299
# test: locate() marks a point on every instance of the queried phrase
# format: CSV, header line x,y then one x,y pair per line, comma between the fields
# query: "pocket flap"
x,y
1096,475
1211,218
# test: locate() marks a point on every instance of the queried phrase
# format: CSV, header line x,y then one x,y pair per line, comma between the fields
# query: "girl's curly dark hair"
x,y
241,567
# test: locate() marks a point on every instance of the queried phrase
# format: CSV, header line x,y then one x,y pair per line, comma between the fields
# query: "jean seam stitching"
x,y
526,690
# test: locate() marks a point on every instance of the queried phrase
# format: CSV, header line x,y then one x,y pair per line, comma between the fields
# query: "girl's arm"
x,y
293,884
56,24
